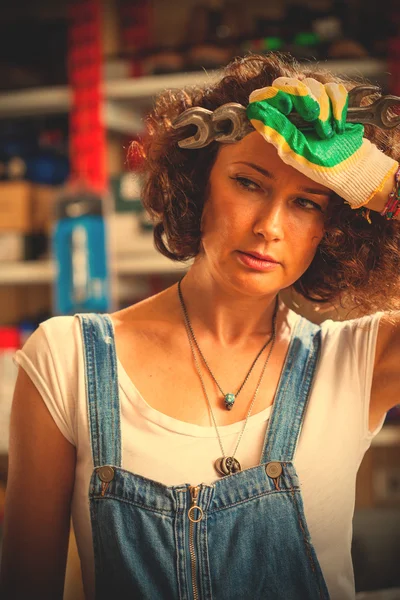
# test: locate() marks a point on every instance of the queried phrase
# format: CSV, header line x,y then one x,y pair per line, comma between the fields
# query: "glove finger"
x,y
340,100
303,99
273,97
322,125
264,117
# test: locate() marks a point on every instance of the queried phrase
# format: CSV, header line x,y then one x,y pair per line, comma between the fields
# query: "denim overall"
x,y
246,538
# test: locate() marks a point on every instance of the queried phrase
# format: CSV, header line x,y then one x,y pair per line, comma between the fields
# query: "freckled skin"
x,y
265,217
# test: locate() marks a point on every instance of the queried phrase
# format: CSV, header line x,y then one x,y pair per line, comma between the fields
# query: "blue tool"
x,y
79,243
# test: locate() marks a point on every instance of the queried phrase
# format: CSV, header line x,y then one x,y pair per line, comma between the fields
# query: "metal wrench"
x,y
229,122
376,113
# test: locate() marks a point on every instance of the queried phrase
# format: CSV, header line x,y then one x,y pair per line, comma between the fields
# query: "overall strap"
x,y
101,375
292,394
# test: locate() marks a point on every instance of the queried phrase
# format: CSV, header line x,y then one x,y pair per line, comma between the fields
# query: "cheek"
x,y
309,238
303,235
224,219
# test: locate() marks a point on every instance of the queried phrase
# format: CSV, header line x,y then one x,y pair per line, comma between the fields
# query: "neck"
x,y
228,317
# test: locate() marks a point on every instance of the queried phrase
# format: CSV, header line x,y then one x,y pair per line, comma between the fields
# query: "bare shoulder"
x,y
150,321
160,307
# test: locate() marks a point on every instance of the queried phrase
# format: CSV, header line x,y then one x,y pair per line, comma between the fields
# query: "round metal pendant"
x,y
232,465
217,466
227,465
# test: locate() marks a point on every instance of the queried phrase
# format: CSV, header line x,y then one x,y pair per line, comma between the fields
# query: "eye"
x,y
246,183
308,204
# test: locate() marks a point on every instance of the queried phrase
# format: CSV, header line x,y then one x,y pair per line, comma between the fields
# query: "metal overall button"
x,y
106,474
273,469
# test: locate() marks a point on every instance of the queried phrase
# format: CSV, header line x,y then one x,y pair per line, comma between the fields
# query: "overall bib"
x,y
246,538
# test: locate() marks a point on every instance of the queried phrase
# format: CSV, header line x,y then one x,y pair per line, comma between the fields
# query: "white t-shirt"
x,y
333,440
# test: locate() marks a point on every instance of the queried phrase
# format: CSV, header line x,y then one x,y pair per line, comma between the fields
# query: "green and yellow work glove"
x,y
332,152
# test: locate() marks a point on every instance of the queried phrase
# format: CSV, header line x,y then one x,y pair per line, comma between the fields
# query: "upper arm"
x,y
385,393
38,499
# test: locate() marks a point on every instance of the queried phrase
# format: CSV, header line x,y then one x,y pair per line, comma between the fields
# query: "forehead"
x,y
253,148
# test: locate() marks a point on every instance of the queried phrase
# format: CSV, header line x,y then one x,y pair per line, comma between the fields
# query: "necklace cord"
x,y
191,336
205,361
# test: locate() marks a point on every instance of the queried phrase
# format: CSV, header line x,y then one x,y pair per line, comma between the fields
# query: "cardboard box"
x,y
12,246
15,206
26,207
43,203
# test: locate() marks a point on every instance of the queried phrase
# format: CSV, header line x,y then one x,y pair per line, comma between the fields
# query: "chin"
x,y
256,283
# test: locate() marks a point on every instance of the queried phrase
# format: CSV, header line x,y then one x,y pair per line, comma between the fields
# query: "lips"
x,y
265,257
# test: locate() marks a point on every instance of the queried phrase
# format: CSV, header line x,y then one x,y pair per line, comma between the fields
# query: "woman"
x,y
224,464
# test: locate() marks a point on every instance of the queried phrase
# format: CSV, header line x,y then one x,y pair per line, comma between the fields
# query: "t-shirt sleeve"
x,y
364,332
49,359
349,358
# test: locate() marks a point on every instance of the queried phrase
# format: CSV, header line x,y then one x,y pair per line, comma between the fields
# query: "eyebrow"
x,y
269,175
308,190
257,168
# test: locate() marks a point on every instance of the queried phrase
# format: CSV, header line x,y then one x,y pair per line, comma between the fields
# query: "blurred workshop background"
x,y
75,82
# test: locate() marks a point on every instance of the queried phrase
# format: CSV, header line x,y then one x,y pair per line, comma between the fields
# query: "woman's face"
x,y
258,204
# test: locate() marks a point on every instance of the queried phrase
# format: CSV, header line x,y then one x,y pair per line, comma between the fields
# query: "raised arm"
x,y
38,499
385,393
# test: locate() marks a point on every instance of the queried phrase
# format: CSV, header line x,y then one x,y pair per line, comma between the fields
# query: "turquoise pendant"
x,y
229,401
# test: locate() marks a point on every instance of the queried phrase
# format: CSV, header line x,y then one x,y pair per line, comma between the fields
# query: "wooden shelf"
x,y
27,272
144,261
123,114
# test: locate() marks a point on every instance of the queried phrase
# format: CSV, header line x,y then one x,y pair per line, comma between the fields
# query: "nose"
x,y
269,222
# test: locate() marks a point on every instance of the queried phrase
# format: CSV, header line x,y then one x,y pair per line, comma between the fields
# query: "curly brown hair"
x,y
355,260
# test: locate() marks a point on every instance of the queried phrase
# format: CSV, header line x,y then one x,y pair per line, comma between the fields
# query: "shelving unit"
x,y
40,272
388,436
126,102
126,98
144,260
